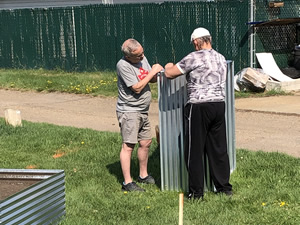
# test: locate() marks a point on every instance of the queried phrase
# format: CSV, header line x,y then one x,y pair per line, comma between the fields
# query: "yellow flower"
x,y
282,204
263,204
82,142
125,192
148,207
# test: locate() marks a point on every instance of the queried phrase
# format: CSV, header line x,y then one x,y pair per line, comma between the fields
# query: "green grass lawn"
x,y
92,83
266,185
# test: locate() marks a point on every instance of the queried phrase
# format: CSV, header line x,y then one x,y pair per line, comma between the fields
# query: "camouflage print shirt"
x,y
205,72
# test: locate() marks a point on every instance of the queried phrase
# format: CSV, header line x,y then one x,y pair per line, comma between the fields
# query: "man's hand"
x,y
151,77
156,68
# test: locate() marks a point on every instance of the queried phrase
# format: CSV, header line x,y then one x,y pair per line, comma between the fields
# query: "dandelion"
x,y
147,207
125,192
115,79
282,204
263,204
102,82
82,142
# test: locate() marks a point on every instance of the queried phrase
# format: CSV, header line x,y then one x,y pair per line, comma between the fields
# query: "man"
x,y
205,129
134,74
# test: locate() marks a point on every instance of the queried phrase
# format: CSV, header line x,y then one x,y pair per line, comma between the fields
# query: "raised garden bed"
x,y
29,196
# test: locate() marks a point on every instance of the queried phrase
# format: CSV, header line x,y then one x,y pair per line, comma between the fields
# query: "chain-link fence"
x,y
278,38
89,37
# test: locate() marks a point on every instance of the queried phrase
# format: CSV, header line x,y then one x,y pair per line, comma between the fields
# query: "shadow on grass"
x,y
153,166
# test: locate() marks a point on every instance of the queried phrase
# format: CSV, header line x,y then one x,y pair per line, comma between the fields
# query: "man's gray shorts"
x,y
134,126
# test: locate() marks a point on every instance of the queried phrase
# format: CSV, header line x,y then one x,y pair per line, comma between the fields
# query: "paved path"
x,y
81,111
285,105
269,124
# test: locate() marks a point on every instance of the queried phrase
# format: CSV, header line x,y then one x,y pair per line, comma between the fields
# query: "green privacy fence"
x,y
89,37
278,39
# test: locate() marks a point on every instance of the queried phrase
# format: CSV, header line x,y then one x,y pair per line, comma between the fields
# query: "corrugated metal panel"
x,y
41,203
230,115
172,98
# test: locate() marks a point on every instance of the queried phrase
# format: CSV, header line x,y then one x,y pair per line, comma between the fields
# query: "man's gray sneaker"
x,y
131,187
147,180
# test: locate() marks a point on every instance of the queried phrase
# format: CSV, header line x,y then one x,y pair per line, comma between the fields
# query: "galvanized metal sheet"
x,y
41,203
172,98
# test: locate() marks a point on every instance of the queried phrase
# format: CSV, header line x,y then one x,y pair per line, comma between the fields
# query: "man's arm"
x,y
151,77
172,71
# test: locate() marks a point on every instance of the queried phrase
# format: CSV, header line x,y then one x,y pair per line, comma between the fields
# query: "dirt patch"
x,y
269,132
267,124
11,187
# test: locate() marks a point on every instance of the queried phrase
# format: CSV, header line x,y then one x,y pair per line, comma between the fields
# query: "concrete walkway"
x,y
289,105
99,113
268,124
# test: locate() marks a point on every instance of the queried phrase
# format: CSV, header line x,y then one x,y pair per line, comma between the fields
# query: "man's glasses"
x,y
137,56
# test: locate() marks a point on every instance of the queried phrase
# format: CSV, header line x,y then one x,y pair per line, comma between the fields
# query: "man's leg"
x,y
217,150
143,152
195,133
125,158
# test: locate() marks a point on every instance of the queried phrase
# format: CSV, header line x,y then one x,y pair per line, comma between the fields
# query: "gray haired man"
x,y
134,75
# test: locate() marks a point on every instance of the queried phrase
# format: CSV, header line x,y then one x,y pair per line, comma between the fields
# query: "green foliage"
x,y
92,83
243,94
265,184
